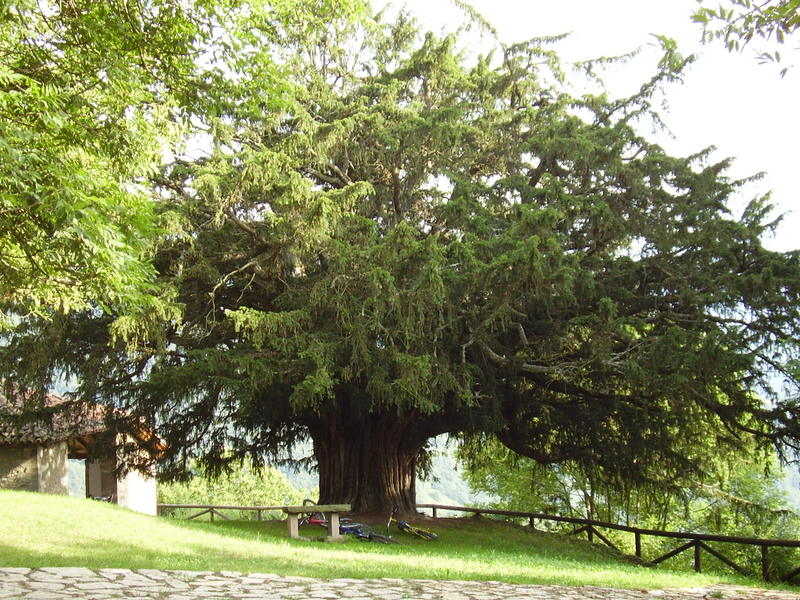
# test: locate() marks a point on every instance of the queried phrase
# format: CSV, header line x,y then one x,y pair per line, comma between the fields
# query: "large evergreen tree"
x,y
421,243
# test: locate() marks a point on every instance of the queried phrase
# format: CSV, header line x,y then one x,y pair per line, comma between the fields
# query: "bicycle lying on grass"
x,y
409,528
361,531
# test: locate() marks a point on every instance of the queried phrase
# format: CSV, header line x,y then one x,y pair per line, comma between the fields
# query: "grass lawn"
x,y
37,530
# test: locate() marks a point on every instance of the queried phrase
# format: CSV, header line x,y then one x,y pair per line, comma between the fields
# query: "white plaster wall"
x,y
137,491
51,463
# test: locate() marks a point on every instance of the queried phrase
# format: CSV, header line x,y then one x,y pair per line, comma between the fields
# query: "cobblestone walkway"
x,y
108,584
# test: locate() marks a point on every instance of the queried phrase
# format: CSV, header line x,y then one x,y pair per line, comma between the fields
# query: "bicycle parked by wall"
x,y
407,527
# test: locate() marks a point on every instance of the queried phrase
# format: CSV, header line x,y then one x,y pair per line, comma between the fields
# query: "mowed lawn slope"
x,y
37,530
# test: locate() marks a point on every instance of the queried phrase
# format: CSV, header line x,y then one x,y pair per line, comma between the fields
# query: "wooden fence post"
x,y
698,565
765,562
637,537
724,559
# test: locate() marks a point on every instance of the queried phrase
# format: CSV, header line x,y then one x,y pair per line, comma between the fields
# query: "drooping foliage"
x,y
418,242
736,495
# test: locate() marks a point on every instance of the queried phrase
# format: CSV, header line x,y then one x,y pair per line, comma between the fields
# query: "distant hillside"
x,y
791,484
446,484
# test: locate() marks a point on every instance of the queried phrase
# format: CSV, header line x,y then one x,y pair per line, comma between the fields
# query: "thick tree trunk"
x,y
369,463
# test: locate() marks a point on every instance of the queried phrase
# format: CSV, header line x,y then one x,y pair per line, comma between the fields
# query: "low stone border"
x,y
63,583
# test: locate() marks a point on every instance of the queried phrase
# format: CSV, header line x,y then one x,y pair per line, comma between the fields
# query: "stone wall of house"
x,y
53,469
35,468
18,468
46,469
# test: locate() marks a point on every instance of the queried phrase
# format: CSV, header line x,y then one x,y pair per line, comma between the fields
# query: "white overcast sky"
x,y
727,100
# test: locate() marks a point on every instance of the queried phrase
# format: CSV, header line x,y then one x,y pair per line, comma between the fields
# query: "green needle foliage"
x,y
415,242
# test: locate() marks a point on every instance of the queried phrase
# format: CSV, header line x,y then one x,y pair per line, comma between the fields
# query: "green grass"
x,y
37,530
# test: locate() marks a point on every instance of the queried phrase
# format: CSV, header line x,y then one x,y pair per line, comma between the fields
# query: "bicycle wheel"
x,y
427,535
313,517
383,539
353,528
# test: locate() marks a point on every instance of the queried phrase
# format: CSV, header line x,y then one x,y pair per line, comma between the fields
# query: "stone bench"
x,y
331,511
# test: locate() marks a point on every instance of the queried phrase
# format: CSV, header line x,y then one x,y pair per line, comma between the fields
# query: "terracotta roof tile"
x,y
60,421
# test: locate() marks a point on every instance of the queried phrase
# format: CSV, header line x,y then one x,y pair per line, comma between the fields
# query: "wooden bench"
x,y
331,510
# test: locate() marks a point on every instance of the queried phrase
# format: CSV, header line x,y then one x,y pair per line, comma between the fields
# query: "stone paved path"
x,y
108,584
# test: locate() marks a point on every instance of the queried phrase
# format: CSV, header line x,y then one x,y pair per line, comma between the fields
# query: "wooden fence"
x,y
696,541
213,510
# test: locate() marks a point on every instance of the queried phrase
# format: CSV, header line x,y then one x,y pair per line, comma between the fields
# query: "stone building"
x,y
35,456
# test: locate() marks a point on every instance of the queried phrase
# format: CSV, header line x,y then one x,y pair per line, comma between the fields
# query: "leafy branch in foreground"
x,y
739,23
86,109
94,96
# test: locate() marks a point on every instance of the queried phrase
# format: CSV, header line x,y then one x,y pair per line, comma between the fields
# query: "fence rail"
x,y
213,509
696,541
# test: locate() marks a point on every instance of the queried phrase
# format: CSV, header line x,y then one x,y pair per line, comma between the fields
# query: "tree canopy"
x,y
419,242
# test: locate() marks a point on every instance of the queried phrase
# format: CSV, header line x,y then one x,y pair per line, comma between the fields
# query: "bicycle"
x,y
407,527
361,531
312,517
